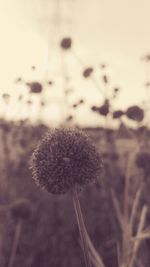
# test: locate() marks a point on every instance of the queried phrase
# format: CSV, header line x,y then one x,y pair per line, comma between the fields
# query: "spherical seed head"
x,y
116,90
35,87
135,113
21,209
81,101
65,158
66,43
69,118
104,109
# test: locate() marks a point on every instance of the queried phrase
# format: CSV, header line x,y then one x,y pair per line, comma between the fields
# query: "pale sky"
x,y
113,31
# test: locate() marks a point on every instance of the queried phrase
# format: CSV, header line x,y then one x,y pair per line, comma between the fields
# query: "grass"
x,y
116,208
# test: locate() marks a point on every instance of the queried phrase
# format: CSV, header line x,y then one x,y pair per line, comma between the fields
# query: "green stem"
x,y
80,221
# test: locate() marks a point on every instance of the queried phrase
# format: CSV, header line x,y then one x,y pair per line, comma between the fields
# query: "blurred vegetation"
x,y
49,237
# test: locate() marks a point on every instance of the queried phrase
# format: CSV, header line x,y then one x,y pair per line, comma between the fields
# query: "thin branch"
x,y
117,209
127,183
118,254
127,186
78,212
94,252
95,83
135,206
15,244
94,261
142,236
138,241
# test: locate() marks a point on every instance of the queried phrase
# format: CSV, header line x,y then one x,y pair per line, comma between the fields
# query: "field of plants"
x,y
38,229
79,197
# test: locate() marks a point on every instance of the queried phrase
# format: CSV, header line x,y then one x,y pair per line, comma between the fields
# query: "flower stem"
x,y
15,243
80,221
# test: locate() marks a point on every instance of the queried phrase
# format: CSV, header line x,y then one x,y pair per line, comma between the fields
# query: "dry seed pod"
x,y
104,109
66,43
105,79
35,87
87,72
65,158
94,108
135,113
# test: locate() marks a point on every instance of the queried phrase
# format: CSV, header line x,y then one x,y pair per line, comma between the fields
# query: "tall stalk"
x,y
80,222
15,243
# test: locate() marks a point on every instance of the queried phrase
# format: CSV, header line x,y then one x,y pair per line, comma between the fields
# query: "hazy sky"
x,y
113,31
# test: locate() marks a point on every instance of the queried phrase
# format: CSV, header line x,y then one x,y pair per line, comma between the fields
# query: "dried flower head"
x,y
94,108
116,90
105,79
18,80
35,87
66,43
21,209
75,105
135,113
65,158
81,101
6,97
118,114
143,161
104,109
33,67
87,72
69,118
103,66
50,83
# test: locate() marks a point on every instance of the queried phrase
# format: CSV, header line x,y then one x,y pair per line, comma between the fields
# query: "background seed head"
x,y
66,43
135,113
65,158
21,209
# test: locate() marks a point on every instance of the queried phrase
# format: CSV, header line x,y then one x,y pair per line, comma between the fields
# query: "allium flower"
x,y
104,109
135,113
66,43
50,83
74,105
81,101
87,72
116,89
19,79
143,161
65,158
103,66
35,87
